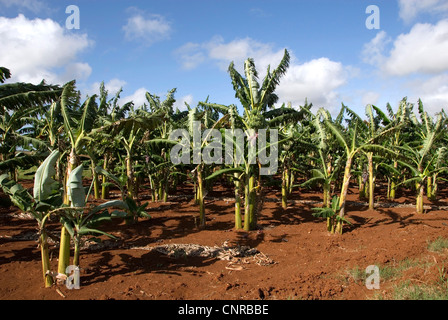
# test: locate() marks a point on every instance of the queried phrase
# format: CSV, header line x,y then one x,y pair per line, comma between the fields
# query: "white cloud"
x,y
77,70
138,97
180,103
41,49
432,91
148,28
318,79
370,97
373,51
424,49
190,55
112,87
410,9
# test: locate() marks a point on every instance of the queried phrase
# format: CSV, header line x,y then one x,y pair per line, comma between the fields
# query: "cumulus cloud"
x,y
409,9
149,28
424,49
317,80
112,87
191,55
138,97
433,92
54,51
180,103
373,51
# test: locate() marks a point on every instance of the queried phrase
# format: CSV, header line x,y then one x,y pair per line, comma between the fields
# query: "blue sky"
x,y
155,46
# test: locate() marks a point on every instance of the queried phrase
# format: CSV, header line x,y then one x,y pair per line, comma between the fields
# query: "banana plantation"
x,y
94,159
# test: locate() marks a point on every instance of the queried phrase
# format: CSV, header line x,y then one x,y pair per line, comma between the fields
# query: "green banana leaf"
x,y
75,189
43,179
18,195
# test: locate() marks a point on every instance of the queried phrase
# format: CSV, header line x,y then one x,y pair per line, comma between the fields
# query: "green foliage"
x,y
331,214
19,196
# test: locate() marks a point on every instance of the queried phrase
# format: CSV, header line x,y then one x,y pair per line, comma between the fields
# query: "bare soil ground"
x,y
293,255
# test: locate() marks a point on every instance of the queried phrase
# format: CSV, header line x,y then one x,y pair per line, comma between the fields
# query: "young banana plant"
x,y
80,220
331,213
133,210
353,144
45,197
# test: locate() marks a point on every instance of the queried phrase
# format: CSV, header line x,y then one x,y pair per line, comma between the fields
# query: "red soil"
x,y
308,262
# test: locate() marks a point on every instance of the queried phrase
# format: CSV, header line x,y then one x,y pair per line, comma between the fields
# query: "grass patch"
x,y
438,245
412,291
387,271
415,289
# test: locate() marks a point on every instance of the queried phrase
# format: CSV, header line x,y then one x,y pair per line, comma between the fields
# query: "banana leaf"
x,y
43,179
75,188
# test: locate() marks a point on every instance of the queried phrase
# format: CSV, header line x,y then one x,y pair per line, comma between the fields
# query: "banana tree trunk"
x,y
420,192
361,187
64,246
96,182
165,190
291,181
393,184
326,195
105,187
249,212
435,187
152,186
238,219
201,199
344,191
48,280
285,188
129,176
393,189
76,253
371,181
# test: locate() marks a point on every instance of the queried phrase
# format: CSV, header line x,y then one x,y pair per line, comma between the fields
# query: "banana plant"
x,y
379,134
400,117
45,197
295,132
429,133
109,112
80,220
77,125
433,181
421,160
16,136
129,131
331,213
133,210
255,99
352,144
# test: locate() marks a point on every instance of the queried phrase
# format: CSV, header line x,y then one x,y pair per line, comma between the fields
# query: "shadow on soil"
x,y
151,262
